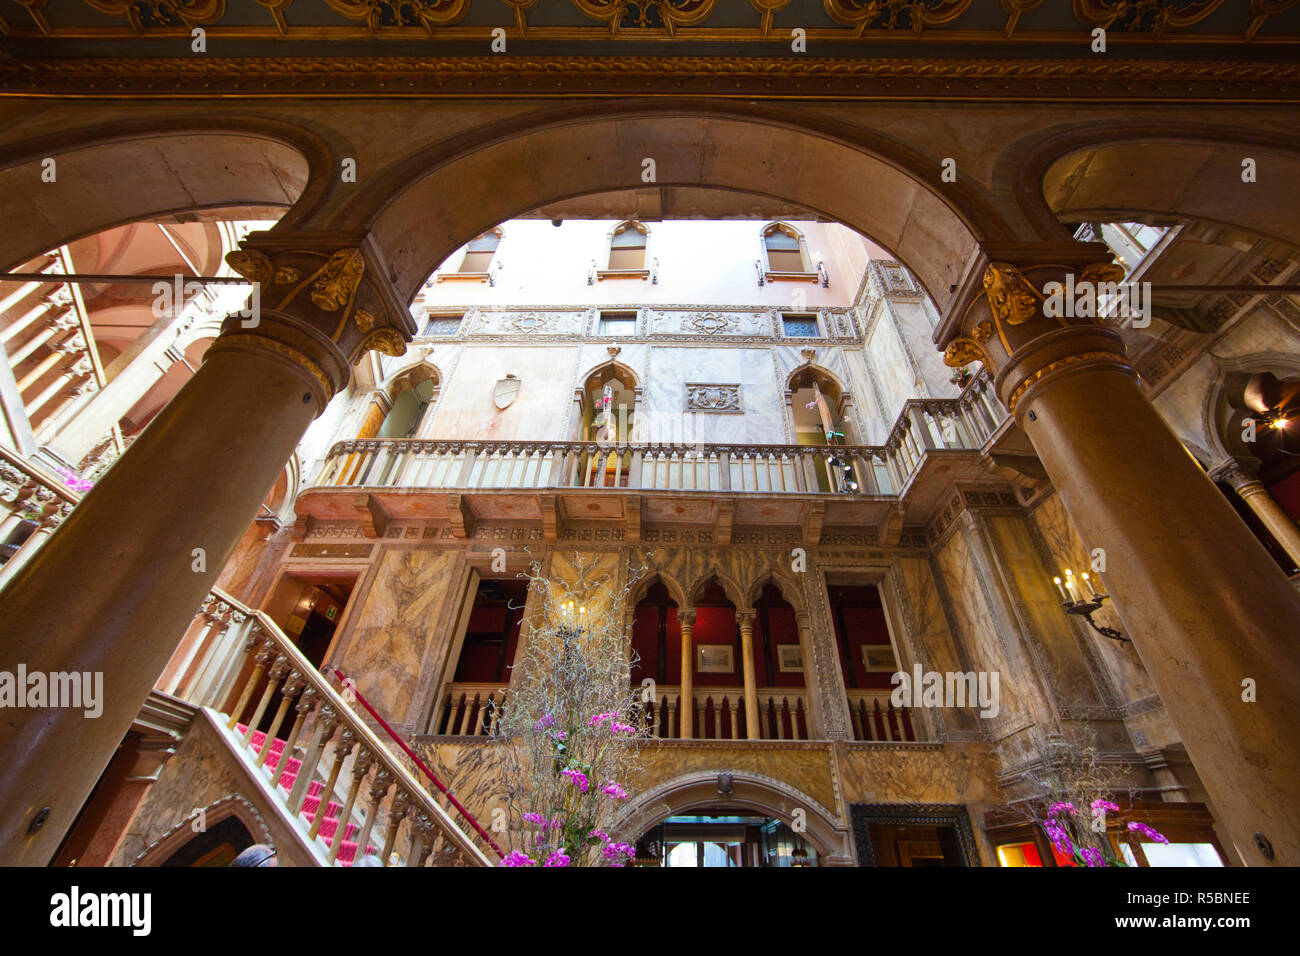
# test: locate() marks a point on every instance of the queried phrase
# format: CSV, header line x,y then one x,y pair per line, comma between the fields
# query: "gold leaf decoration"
x,y
1012,299
961,352
386,341
251,264
365,321
982,332
337,280
286,274
1103,272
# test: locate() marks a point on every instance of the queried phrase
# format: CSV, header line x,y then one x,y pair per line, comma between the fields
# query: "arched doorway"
x,y
739,811
607,406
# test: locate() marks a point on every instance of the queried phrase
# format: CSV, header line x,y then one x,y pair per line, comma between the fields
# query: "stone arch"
x,y
789,590
751,791
1221,415
647,581
818,164
108,176
233,805
735,593
1162,172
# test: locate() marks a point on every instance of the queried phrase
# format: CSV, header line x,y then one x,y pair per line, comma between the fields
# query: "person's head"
x,y
259,854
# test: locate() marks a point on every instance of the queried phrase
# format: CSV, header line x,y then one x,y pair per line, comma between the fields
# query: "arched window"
x,y
479,252
627,247
413,395
784,246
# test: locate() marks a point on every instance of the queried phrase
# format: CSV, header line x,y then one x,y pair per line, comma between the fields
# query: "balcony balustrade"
x,y
925,426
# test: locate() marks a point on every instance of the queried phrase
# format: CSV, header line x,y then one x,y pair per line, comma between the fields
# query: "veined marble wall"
x,y
1149,724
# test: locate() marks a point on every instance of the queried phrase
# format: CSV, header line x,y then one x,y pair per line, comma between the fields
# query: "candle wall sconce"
x,y
1074,601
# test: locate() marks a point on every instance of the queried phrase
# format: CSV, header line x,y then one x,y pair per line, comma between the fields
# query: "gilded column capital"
x,y
321,301
745,617
1029,313
686,617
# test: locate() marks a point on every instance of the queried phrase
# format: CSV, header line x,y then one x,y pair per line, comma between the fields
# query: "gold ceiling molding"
x,y
893,14
672,13
430,14
880,78
1154,15
143,13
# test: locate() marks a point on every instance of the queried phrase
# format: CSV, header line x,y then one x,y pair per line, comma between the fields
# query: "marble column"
x,y
686,702
1209,612
745,618
1243,477
115,588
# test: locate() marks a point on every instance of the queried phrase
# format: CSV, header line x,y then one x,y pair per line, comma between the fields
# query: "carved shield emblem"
x,y
505,391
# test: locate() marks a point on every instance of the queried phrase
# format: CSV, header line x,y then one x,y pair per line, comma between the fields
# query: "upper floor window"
x,y
785,251
618,323
799,325
627,247
479,252
443,325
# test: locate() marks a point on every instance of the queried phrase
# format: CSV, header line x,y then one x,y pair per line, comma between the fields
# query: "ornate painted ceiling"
x,y
100,25
1226,50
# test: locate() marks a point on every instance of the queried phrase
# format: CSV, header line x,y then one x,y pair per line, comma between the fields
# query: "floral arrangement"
x,y
1085,841
960,376
569,734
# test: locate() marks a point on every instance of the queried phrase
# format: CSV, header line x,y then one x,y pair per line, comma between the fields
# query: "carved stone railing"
x,y
875,718
32,505
468,710
925,425
720,713
238,662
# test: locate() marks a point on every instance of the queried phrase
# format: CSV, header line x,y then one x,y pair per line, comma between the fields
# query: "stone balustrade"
x,y
925,426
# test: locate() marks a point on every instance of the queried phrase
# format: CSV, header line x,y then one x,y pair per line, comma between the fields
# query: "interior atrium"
x,y
866,448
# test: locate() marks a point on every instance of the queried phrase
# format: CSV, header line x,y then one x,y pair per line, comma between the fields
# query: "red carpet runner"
x,y
329,826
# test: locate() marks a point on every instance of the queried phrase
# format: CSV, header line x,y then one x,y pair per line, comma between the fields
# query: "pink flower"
x,y
547,721
1092,856
614,852
614,790
599,719
616,728
1099,806
1060,808
578,777
541,821
558,858
602,834
518,858
1153,835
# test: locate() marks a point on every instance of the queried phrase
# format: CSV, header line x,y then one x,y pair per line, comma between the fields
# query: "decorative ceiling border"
x,y
663,19
1014,80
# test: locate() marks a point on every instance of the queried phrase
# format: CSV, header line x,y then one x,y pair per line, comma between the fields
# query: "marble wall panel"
x,y
402,627
1063,542
1023,570
893,373
957,773
547,373
976,627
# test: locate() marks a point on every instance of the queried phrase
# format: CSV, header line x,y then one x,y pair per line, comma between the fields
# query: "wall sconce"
x,y
1074,602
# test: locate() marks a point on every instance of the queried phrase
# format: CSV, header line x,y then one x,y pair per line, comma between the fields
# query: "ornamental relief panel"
x,y
703,397
530,323
711,323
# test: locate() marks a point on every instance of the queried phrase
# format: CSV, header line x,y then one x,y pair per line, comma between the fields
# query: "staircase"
x,y
311,805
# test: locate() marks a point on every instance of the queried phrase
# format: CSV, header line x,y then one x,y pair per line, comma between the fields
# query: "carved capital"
x,y
1029,314
1237,472
322,300
686,618
745,617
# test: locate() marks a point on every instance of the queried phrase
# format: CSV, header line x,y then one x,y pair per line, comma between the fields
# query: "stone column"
x,y
1243,477
745,619
1209,612
686,702
116,586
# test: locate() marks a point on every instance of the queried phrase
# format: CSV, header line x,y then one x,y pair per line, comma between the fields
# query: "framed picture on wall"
x,y
878,657
715,659
789,658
